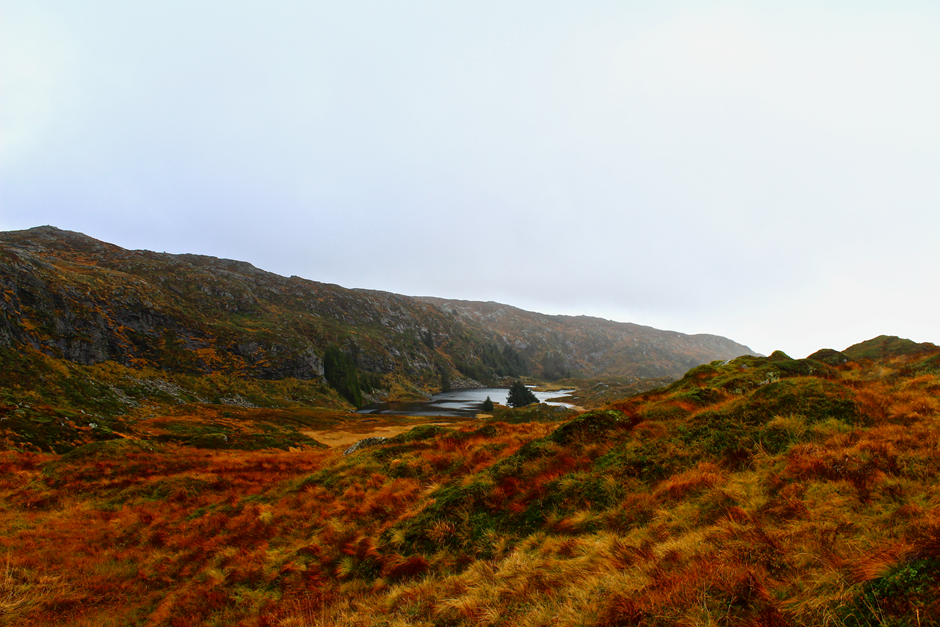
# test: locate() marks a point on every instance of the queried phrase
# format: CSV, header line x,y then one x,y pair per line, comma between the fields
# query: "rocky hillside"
x,y
586,346
70,297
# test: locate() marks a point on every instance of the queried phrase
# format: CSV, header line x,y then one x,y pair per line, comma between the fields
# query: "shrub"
x,y
829,356
904,596
592,426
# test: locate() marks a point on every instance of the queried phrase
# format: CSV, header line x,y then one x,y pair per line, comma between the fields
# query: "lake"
x,y
463,403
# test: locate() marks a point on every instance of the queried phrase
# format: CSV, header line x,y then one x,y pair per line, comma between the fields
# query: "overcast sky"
x,y
765,171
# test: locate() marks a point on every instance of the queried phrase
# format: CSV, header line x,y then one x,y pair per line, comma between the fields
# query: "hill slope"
x,y
71,297
754,492
588,346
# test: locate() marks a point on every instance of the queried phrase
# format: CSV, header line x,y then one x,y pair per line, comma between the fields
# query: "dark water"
x,y
465,403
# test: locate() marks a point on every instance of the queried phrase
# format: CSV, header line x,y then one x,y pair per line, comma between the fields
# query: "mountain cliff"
x,y
71,297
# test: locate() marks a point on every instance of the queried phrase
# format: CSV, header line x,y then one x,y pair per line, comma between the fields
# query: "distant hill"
x,y
73,298
582,345
887,346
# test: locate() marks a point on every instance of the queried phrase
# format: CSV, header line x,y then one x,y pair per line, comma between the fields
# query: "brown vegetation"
x,y
756,492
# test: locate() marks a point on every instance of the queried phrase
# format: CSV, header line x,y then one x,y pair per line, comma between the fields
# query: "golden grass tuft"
x,y
705,475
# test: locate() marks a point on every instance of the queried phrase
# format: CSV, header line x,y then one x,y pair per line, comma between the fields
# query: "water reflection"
x,y
463,403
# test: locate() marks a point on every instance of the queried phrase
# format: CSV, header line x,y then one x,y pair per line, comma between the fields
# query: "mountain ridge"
x,y
595,335
74,297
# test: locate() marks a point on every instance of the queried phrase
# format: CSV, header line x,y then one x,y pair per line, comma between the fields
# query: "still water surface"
x,y
464,403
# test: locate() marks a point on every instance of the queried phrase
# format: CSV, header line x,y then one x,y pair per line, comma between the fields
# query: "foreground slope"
x,y
755,491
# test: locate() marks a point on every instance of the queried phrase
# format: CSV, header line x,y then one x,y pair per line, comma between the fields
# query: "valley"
x,y
176,449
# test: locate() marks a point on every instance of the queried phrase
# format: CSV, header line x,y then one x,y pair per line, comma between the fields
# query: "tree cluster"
x,y
341,375
506,362
369,381
555,366
494,363
444,372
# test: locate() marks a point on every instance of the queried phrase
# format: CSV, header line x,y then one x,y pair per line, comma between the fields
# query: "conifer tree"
x,y
520,395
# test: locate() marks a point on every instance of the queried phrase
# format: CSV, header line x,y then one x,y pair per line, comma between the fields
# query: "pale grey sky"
x,y
765,171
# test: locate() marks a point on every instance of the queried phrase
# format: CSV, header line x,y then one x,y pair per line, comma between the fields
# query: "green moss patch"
x,y
592,426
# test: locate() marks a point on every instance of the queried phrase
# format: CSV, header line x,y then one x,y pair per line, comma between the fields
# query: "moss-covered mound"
x,y
887,346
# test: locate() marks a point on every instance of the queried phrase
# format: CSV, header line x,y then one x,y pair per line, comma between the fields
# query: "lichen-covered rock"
x,y
361,444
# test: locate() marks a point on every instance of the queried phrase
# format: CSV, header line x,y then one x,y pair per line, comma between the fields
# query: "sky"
x,y
765,171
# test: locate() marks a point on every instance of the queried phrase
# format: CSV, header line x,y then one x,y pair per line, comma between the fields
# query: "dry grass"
x,y
651,526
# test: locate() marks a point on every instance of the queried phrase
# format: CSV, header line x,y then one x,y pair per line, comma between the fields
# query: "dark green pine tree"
x,y
487,405
520,395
